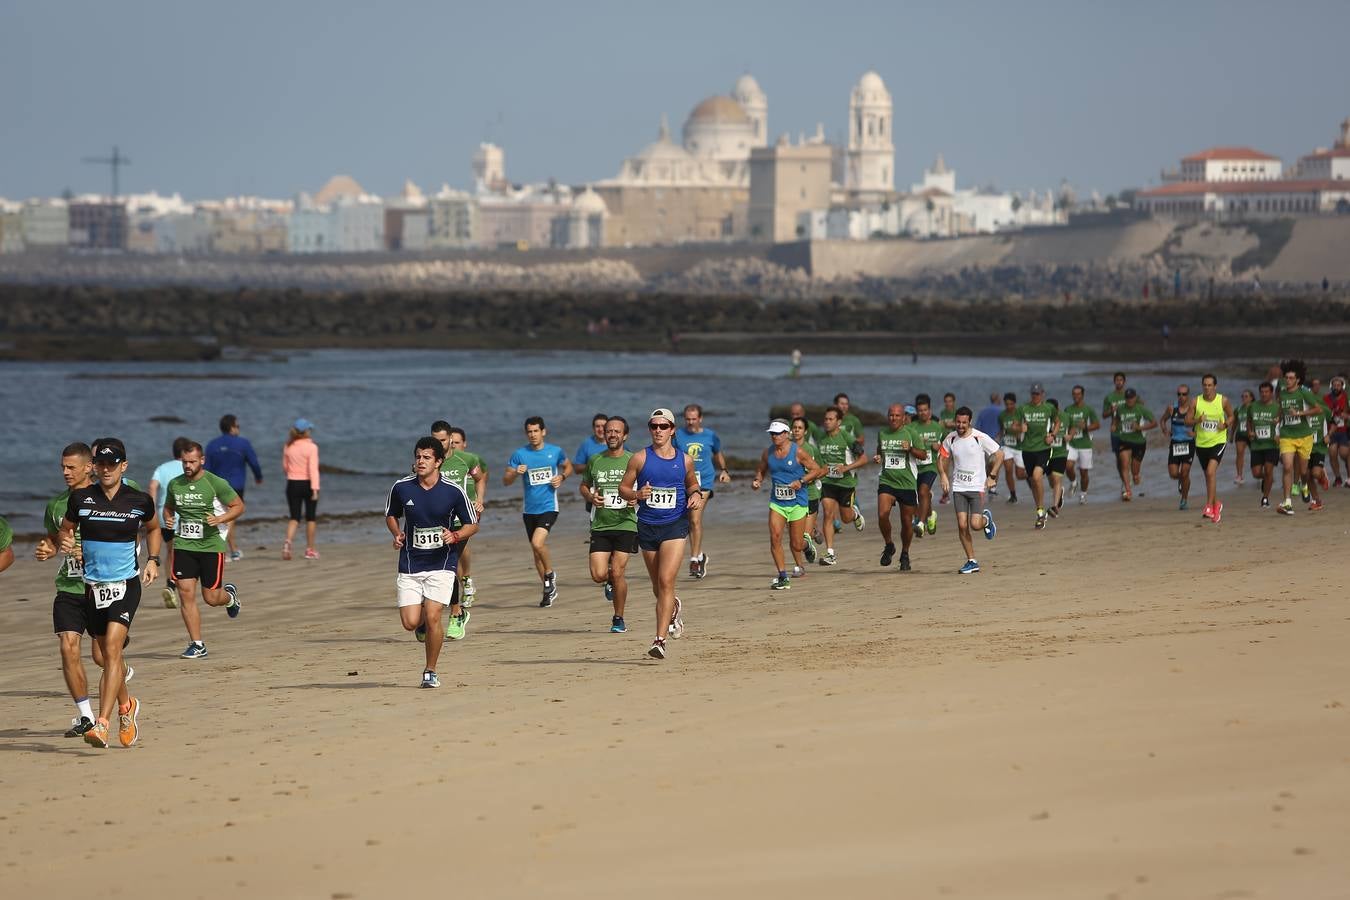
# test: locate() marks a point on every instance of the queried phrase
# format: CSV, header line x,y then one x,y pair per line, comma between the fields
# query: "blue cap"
x,y
910,410
303,424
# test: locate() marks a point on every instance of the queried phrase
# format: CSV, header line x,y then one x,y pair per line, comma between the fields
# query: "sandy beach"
x,y
1131,704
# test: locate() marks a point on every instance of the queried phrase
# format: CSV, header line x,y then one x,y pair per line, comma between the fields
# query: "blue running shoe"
x,y
429,679
970,568
609,592
232,608
838,525
990,529
616,626
194,650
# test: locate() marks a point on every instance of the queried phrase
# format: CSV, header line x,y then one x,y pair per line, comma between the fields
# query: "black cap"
x,y
1131,392
109,450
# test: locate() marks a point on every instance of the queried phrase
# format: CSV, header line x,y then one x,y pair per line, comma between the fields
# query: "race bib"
x,y
74,567
1338,421
539,476
661,498
1010,440
1291,419
1128,426
1181,449
427,539
967,477
1056,441
1210,425
1263,432
784,492
894,461
191,530
612,500
106,593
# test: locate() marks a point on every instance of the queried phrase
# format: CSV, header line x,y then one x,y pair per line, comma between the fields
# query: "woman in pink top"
x,y
300,462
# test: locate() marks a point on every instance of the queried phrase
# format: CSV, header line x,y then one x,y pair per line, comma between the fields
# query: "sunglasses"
x,y
660,426
1183,393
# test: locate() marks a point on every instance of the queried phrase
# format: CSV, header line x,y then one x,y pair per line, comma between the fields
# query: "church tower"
x,y
756,105
871,155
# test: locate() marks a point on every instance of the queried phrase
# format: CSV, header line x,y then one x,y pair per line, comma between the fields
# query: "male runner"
x,y
849,422
1316,478
159,482
662,480
1039,422
111,517
6,545
593,444
198,503
948,416
801,436
1339,438
1057,464
837,490
469,473
968,469
1211,415
1110,403
1263,419
429,545
1010,436
798,411
704,446
1181,442
1297,403
899,446
614,522
545,467
1081,420
1241,436
1128,425
930,433
227,456
789,469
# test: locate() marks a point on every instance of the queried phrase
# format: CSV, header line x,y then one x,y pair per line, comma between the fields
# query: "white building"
x,y
45,223
870,166
755,102
452,219
489,169
341,218
1228,164
1327,165
583,225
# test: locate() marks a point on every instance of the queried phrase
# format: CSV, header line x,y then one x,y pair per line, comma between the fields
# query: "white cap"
x,y
777,427
662,413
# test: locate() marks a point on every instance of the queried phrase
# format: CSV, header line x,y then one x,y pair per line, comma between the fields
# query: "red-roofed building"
x,y
1270,199
1331,164
1230,164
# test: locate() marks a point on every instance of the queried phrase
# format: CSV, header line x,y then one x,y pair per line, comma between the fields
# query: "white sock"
x,y
85,709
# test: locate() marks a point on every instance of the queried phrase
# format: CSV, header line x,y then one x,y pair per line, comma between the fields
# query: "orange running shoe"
x,y
97,736
127,732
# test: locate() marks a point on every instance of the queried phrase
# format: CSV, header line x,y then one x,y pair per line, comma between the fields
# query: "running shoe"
x,y
859,523
1315,506
693,568
702,565
1012,498
930,524
1053,511
990,529
454,629
1082,499
1218,513
887,554
809,550
904,562
609,592
798,572
658,649
1338,481
1323,482
311,553
676,628
286,550
970,568
550,592
1182,504
838,525
79,725
1265,503
127,730
1285,509
917,529
420,632
97,736
1237,480
616,626
781,583
1303,492
170,597
236,555
195,650
469,592
946,497
1040,518
429,679
232,608
1208,513
829,559
131,673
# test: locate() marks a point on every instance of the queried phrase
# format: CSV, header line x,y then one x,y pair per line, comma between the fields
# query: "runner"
x,y
227,456
948,417
1011,438
986,420
1297,404
429,546
594,443
1039,422
159,482
1181,441
801,436
1128,425
798,411
1057,465
973,459
839,487
849,422
1339,438
545,467
1316,480
663,482
1110,403
1081,421
704,446
1241,436
789,469
6,545
930,433
614,523
1211,415
1263,418
468,473
111,517
199,503
898,448
300,465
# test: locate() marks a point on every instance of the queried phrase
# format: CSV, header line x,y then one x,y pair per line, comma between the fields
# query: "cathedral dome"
x,y
747,88
718,109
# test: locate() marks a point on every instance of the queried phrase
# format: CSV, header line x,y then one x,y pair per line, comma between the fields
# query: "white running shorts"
x,y
1081,458
435,586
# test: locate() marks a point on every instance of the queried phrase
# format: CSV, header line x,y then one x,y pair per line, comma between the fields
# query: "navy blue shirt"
x,y
986,420
109,530
227,456
425,512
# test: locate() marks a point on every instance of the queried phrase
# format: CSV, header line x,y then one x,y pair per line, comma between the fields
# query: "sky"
x,y
212,99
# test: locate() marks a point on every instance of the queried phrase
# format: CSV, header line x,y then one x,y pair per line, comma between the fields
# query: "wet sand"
x,y
1132,704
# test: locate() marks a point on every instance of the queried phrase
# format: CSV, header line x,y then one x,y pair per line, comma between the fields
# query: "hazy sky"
x,y
274,96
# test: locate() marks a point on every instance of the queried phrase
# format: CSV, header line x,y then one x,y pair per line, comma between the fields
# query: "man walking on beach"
x,y
227,456
614,537
1263,418
705,448
968,469
544,467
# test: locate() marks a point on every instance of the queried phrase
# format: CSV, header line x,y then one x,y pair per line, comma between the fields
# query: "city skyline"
x,y
259,100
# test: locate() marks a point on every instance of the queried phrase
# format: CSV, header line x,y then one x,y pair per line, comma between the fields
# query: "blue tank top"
x,y
1180,430
782,472
666,476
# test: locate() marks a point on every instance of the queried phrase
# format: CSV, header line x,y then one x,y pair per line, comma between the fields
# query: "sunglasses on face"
x,y
660,426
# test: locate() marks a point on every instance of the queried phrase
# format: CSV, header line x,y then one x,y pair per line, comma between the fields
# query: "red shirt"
x,y
1340,410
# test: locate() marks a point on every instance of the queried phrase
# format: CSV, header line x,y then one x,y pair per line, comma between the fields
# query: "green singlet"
x,y
899,469
837,450
1011,438
1318,423
812,489
1131,419
604,474
853,425
1240,419
6,535
1295,426
929,434
1110,403
70,576
459,467
192,502
1079,417
1262,418
1039,417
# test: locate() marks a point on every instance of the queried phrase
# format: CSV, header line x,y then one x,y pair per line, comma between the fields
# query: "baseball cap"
x,y
662,413
910,410
778,427
109,450
303,424
1131,392
1037,388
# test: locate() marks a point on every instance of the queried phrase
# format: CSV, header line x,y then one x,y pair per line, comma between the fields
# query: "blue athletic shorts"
x,y
651,537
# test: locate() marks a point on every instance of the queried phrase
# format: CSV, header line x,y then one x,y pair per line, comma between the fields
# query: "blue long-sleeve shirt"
x,y
227,456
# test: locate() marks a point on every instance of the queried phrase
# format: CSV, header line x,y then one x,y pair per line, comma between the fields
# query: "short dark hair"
x,y
833,409
621,420
1053,402
228,421
1079,387
1118,375
455,429
1266,386
695,407
79,449
840,396
1297,366
805,423
180,445
1010,396
923,400
1209,375
537,420
430,443
440,425
599,417
949,394
964,411
192,447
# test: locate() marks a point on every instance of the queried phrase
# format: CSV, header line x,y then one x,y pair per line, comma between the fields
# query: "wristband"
x,y
152,559
454,537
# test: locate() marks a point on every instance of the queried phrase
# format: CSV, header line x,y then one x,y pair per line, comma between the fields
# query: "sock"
x,y
123,710
85,709
548,578
782,573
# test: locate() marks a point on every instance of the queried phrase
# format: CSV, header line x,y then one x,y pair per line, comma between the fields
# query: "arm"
x,y
942,473
170,511
762,469
468,522
814,471
720,461
585,490
251,458
563,473
480,482
153,544
234,510
314,469
392,524
628,489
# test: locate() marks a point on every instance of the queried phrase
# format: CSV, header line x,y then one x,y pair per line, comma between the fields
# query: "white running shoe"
x,y
676,623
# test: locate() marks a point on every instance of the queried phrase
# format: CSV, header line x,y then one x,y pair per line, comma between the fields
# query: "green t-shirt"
x,y
70,575
812,489
1240,418
1079,418
1039,417
853,425
460,467
899,469
604,474
1059,448
1318,423
837,450
191,502
1011,438
1110,403
947,419
1261,421
6,535
1295,426
1130,420
928,435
